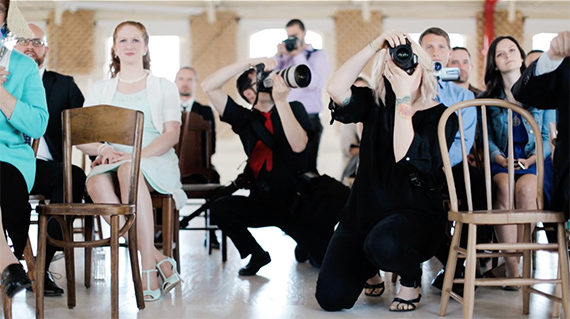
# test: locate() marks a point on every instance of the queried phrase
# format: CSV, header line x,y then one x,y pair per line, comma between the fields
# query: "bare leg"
x,y
525,196
6,255
150,256
505,233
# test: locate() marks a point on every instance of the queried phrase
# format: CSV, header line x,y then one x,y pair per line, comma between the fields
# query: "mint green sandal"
x,y
150,294
174,279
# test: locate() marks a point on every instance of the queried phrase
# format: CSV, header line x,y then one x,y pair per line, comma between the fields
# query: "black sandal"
x,y
406,302
374,288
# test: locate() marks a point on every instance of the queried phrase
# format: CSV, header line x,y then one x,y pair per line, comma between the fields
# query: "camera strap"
x,y
262,133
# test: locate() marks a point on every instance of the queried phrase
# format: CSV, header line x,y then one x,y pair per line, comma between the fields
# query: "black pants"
x,y
484,232
398,243
14,200
312,148
49,183
234,214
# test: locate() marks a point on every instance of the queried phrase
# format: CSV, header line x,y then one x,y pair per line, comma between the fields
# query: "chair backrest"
x,y
484,104
102,123
194,146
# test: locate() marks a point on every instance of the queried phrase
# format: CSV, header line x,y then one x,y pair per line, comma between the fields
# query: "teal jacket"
x,y
498,138
30,115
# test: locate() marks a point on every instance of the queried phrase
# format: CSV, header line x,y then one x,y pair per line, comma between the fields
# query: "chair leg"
x,y
176,222
30,262
527,256
40,265
99,227
88,234
224,247
167,225
208,232
69,262
114,266
471,260
564,271
450,269
134,259
6,304
557,291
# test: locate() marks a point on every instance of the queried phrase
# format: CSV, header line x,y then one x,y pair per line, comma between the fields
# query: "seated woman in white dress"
x,y
132,86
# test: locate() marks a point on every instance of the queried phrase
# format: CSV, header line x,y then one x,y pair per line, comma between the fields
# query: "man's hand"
x,y
559,46
281,50
270,63
280,89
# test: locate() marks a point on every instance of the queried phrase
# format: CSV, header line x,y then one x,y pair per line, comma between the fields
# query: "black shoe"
x,y
51,289
15,279
255,263
301,254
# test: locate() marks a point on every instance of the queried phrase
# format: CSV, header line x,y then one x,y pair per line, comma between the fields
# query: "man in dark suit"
x,y
61,93
545,84
186,80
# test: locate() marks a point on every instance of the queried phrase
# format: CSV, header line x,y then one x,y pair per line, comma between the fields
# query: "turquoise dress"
x,y
161,172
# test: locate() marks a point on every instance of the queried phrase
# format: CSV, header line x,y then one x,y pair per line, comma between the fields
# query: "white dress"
x,y
161,172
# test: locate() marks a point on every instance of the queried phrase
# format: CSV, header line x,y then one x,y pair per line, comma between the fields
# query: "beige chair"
x,y
473,219
81,126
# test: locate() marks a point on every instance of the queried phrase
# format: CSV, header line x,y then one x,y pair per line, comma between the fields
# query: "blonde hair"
x,y
428,84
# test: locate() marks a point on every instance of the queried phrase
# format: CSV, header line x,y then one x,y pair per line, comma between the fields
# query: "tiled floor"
x,y
282,289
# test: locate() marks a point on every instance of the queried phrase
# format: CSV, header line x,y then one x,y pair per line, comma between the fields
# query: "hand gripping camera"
x,y
445,74
295,76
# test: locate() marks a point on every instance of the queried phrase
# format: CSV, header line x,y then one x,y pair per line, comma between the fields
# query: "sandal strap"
x,y
409,302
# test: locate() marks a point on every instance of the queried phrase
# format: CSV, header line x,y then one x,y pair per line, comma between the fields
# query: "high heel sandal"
x,y
151,294
171,281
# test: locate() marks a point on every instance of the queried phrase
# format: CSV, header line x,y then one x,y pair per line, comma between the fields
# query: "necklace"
x,y
133,80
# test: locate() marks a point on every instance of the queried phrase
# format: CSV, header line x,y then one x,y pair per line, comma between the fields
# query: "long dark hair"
x,y
115,66
493,79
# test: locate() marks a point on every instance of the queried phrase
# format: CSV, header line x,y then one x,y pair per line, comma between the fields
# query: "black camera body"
x,y
404,57
291,43
295,76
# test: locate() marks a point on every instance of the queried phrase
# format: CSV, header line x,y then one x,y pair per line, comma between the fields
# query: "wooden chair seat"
x,y
490,216
505,217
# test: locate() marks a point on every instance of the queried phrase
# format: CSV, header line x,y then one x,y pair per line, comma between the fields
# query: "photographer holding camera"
x,y
274,134
293,51
394,217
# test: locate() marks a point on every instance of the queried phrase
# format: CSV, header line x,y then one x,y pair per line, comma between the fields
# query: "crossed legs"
x,y
102,188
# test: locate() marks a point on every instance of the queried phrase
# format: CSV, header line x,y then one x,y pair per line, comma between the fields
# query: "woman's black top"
x,y
382,185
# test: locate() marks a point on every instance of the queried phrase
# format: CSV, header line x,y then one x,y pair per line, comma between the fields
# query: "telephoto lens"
x,y
296,76
404,57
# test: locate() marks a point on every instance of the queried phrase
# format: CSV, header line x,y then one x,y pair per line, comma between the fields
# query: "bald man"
x,y
61,93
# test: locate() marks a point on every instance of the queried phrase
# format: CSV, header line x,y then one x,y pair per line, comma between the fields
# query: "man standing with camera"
x,y
293,51
274,134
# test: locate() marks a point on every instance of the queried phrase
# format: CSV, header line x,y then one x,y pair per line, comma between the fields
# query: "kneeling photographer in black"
x,y
274,134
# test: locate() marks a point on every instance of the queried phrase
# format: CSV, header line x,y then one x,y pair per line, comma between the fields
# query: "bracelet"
x,y
102,147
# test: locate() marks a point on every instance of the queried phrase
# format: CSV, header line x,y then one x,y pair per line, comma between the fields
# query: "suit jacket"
x,y
550,91
62,93
206,112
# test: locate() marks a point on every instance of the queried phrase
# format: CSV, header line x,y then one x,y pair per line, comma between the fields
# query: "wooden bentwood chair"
x,y
491,216
194,153
81,126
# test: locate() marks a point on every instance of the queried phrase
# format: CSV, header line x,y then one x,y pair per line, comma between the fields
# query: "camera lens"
x,y
296,76
402,54
437,66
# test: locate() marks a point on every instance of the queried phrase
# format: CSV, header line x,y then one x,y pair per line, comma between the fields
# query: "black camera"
x,y
404,57
291,43
295,76
445,74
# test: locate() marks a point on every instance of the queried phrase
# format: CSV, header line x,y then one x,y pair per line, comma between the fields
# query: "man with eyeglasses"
x,y
61,93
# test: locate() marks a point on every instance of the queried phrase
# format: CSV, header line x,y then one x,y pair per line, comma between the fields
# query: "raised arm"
x,y
214,82
294,132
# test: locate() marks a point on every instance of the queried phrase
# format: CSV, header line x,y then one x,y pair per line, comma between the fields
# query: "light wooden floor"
x,y
282,289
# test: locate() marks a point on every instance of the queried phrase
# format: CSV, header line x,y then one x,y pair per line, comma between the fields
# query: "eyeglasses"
x,y
35,42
